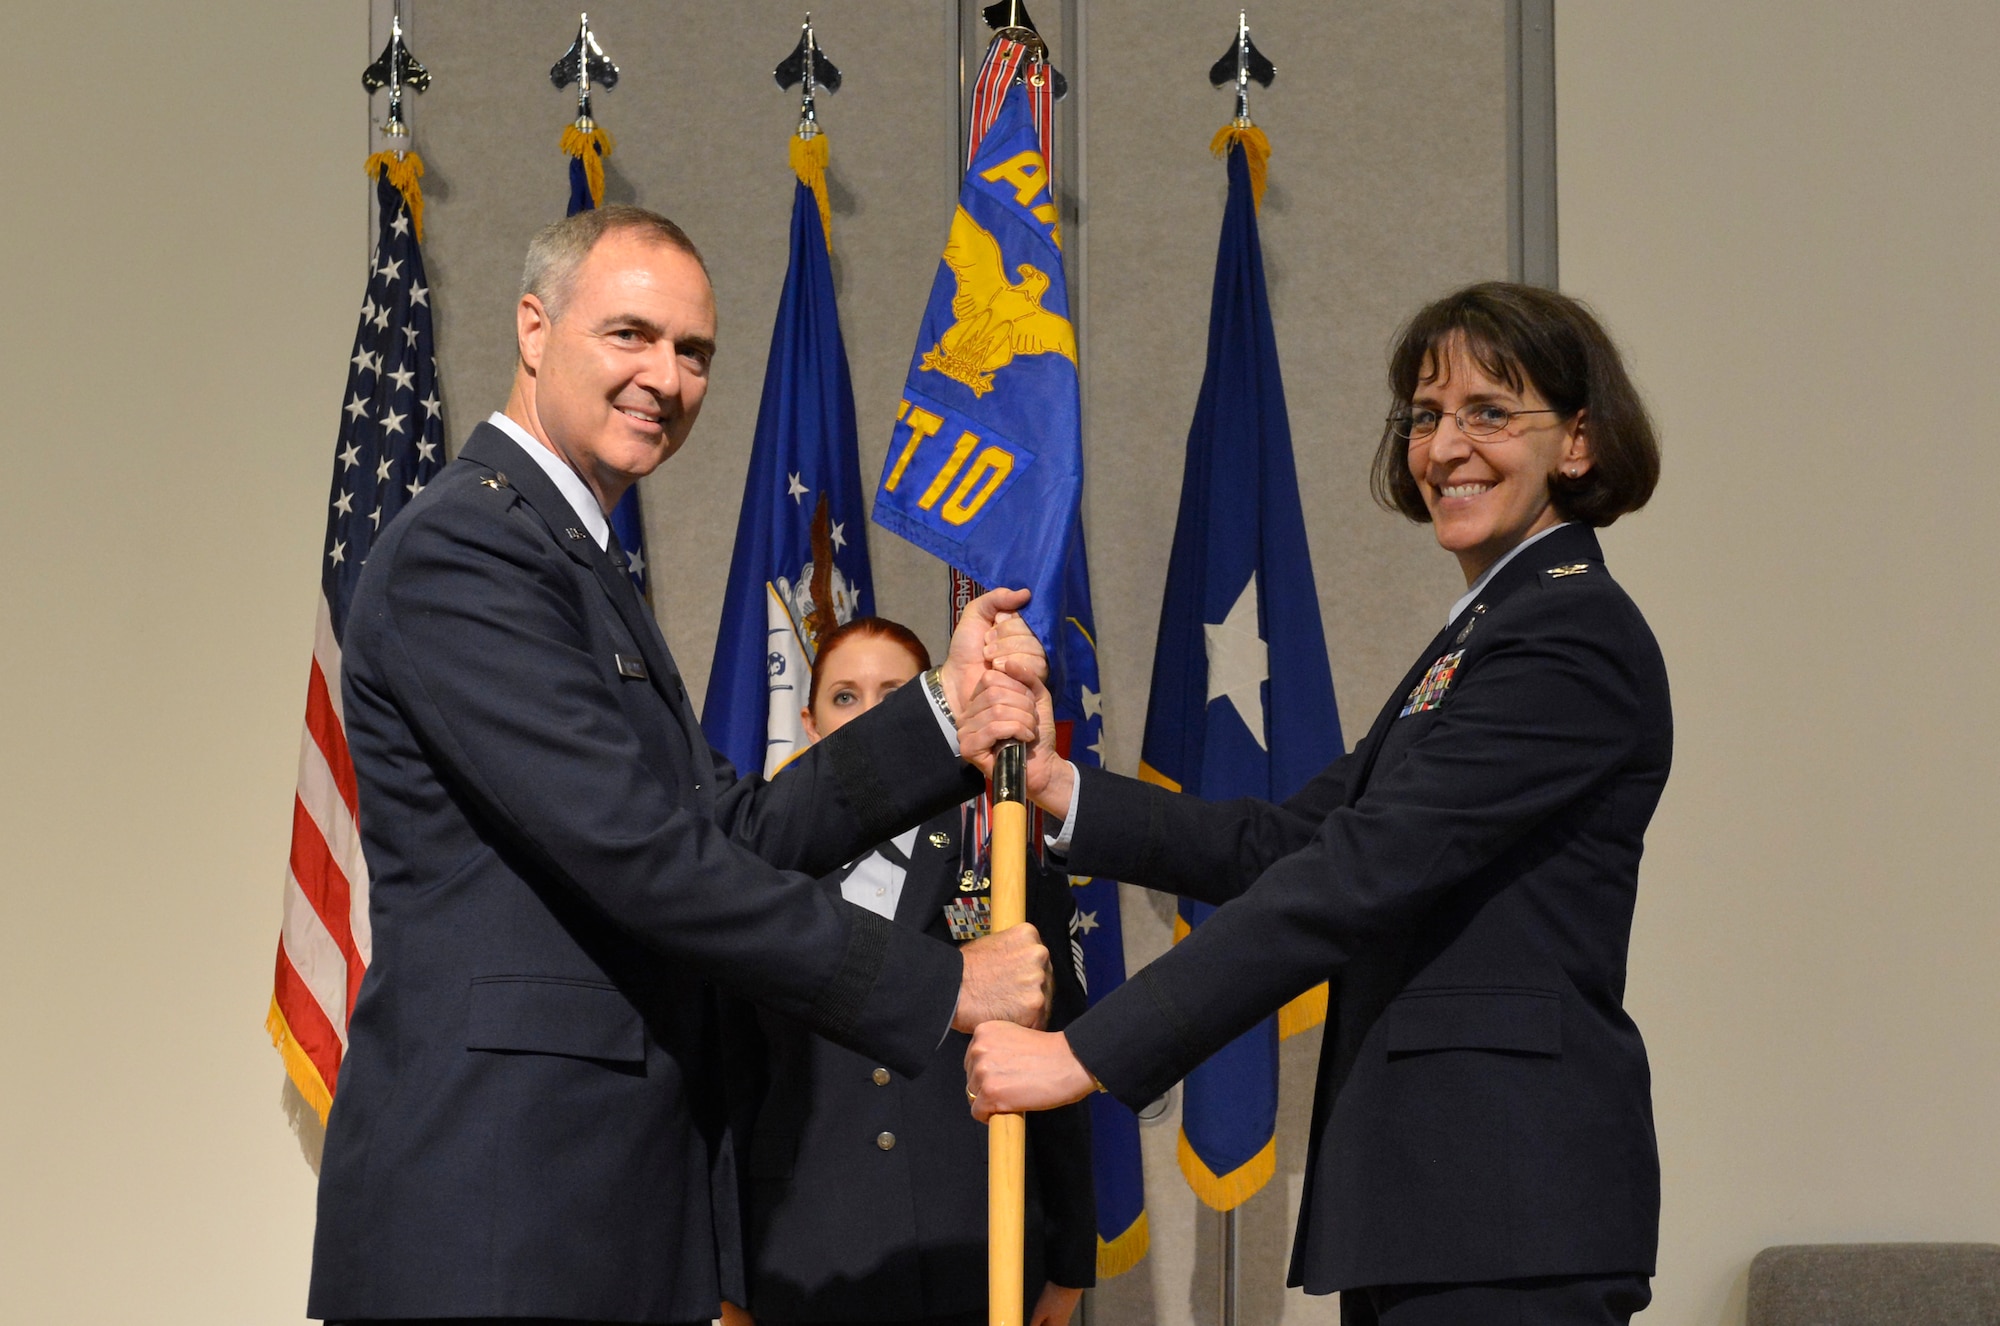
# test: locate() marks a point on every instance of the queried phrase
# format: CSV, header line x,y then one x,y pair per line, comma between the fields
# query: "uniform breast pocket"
x,y
1514,1021
551,1015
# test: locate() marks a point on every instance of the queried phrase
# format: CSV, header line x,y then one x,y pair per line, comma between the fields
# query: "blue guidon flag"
x,y
985,466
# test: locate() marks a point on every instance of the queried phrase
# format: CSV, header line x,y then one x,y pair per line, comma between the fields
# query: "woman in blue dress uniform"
x,y
865,1190
1482,1140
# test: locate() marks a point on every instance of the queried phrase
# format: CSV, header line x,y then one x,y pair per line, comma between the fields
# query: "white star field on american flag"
x,y
391,429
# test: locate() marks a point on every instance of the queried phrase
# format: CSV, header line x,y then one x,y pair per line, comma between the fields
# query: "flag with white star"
x,y
1242,698
1097,938
390,443
800,566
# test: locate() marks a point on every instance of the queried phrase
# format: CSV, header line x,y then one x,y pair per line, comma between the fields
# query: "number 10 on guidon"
x,y
945,473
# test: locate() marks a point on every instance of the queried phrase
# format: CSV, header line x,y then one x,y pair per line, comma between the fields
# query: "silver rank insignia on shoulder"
x,y
499,480
630,665
969,918
940,839
1573,569
1465,631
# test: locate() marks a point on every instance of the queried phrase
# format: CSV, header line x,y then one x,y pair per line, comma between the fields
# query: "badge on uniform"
x,y
1429,693
1465,633
969,918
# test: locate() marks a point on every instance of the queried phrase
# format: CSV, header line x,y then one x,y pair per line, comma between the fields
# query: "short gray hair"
x,y
558,250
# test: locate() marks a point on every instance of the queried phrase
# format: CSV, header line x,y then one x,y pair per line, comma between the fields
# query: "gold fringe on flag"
x,y
404,170
300,1068
590,146
809,158
1303,1013
1256,154
1126,1251
1226,1192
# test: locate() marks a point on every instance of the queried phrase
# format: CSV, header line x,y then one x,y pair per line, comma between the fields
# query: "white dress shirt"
x,y
877,882
567,481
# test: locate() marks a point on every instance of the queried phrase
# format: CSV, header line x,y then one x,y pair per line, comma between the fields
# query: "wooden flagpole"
x,y
1007,1134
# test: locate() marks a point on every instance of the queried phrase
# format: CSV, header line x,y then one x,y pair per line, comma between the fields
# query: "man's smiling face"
x,y
620,371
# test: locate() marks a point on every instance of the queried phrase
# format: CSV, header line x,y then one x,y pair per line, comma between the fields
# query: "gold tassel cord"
x,y
1256,154
809,158
404,169
590,146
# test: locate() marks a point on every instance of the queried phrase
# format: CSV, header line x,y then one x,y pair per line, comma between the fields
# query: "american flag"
x,y
391,442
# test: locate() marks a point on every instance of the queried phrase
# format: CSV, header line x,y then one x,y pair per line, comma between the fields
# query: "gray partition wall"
x,y
1389,184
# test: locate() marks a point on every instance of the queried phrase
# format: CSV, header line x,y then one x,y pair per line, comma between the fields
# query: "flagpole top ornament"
x,y
1241,65
808,69
1010,19
586,65
396,69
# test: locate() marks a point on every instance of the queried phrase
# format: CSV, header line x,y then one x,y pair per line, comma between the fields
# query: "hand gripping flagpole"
x,y
1007,1134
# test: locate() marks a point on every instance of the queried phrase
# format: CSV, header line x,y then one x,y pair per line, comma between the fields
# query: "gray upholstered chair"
x,y
1876,1284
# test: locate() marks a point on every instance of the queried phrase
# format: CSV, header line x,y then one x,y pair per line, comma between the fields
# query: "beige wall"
x,y
185,237
1786,214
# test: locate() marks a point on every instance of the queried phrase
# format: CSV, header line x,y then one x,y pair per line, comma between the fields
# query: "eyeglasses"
x,y
1416,425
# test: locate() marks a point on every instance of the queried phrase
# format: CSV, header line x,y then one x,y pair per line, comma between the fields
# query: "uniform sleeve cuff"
x,y
1059,842
934,692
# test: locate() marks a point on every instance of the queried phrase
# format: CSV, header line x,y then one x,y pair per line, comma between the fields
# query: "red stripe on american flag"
x,y
325,727
307,1023
325,887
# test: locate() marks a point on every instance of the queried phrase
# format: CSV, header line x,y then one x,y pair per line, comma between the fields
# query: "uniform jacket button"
x,y
887,1141
881,1076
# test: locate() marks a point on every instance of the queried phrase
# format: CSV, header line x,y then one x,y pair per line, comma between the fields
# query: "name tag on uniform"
x,y
1429,693
631,665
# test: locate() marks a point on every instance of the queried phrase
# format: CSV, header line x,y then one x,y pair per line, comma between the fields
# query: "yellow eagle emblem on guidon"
x,y
996,319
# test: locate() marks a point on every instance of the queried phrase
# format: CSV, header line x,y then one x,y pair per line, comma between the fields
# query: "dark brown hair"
x,y
1526,336
875,628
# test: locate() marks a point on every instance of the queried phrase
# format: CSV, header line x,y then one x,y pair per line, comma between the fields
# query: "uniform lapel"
x,y
1373,741
1571,543
490,447
932,880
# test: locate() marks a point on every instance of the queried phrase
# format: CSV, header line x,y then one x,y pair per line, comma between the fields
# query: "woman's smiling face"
x,y
1487,494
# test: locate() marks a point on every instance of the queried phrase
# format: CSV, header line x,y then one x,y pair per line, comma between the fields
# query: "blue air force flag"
x,y
985,464
801,561
1097,938
627,520
1242,698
